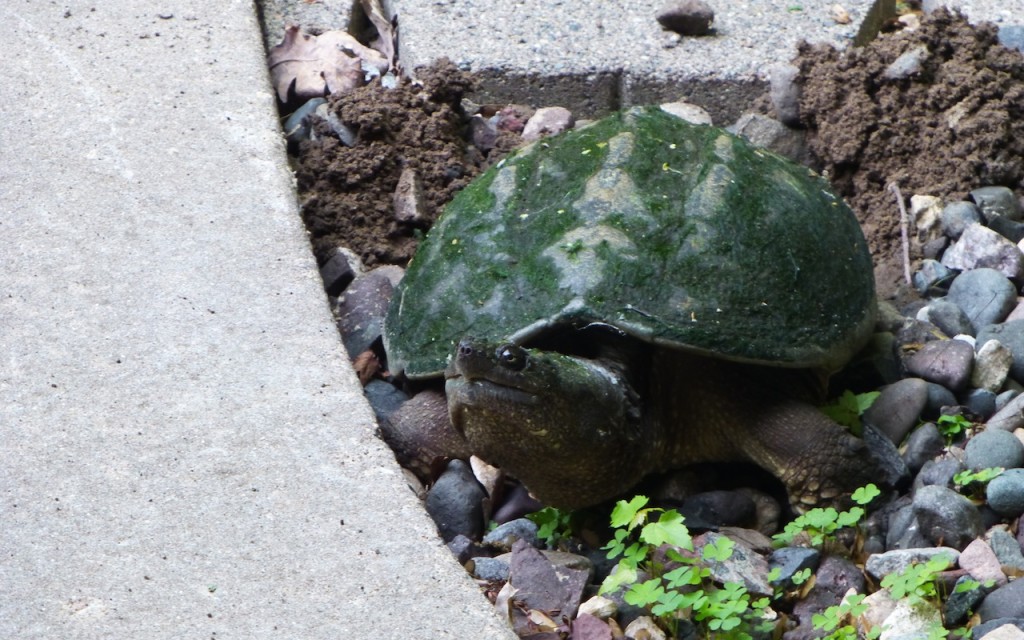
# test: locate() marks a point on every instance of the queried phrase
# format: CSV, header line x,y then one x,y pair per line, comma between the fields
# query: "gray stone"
x,y
933,278
340,270
999,629
985,295
992,363
1008,418
1012,36
948,317
773,135
455,502
997,202
1012,230
1005,398
981,403
547,121
957,216
407,201
945,362
938,472
361,308
994,448
1005,493
790,560
939,397
543,585
504,535
907,65
687,111
298,125
744,565
483,132
1010,335
785,93
923,444
880,565
687,17
962,602
464,549
490,569
1007,549
898,408
834,577
946,517
980,247
384,397
1005,602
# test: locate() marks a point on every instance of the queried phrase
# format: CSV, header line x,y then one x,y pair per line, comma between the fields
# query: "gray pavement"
x,y
184,450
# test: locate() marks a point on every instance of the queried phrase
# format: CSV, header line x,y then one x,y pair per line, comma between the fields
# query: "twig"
x,y
904,231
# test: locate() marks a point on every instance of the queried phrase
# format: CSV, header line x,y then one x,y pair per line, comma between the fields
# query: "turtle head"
x,y
568,427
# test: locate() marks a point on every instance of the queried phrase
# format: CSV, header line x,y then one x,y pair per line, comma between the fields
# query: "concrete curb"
x,y
186,451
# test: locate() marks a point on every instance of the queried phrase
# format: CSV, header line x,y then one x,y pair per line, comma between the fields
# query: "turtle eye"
x,y
512,357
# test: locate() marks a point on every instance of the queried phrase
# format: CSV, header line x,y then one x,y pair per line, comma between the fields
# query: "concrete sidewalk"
x,y
185,450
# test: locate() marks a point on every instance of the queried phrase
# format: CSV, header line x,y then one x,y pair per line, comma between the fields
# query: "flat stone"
x,y
980,247
945,362
992,364
985,295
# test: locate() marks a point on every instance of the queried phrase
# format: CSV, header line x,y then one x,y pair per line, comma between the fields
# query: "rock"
x,y
980,247
901,619
880,565
1011,336
948,317
1018,311
686,17
514,117
933,278
939,397
298,126
1007,549
1011,36
517,503
542,585
340,270
1005,493
978,560
599,607
589,627
926,212
407,201
1005,398
504,535
771,134
1005,602
945,517
490,569
362,306
384,398
644,628
962,601
483,132
907,65
341,131
1009,418
997,202
689,112
898,408
464,549
923,445
945,362
957,216
420,433
455,502
744,566
790,560
994,448
547,121
839,14
834,578
992,364
934,248
981,403
985,295
938,472
785,93
1012,230
1013,630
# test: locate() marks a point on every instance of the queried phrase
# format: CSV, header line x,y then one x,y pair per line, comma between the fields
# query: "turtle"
x,y
637,295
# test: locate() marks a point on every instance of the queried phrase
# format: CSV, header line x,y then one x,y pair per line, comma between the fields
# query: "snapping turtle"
x,y
637,295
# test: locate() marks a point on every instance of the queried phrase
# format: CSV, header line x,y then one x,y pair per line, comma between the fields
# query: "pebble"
x,y
340,270
945,362
361,308
962,601
455,503
1012,230
978,560
1011,36
687,111
946,517
464,549
997,201
1005,398
344,133
880,565
769,133
744,565
1005,493
981,247
790,560
483,132
300,123
898,408
939,397
933,278
1007,549
985,295
1005,602
686,17
993,448
957,216
901,619
949,318
924,444
992,362
504,535
544,585
547,121
514,117
833,579
384,398
1001,629
1009,418
907,65
589,627
644,627
490,569
599,607
1011,336
407,201
926,212
785,93
981,403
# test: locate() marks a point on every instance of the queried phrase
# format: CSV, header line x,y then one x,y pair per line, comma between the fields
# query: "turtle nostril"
x,y
465,349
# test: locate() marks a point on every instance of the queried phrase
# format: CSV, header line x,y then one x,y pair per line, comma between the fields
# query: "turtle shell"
x,y
678,234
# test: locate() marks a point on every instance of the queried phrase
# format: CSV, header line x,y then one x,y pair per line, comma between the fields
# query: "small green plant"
x,y
837,619
973,482
553,525
724,612
849,407
952,427
821,524
916,583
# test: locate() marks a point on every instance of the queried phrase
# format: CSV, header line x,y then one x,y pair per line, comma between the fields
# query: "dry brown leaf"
x,y
385,30
367,366
305,66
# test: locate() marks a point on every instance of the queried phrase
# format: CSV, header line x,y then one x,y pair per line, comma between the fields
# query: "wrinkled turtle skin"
x,y
635,296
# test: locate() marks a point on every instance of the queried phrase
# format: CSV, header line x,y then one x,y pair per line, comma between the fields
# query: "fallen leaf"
x,y
367,366
385,31
305,66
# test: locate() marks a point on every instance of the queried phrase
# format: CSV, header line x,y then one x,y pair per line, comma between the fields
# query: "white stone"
x,y
1005,632
991,366
926,212
547,121
981,247
599,607
689,112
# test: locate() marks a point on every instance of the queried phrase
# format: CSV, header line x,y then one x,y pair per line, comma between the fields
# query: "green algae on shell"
x,y
678,234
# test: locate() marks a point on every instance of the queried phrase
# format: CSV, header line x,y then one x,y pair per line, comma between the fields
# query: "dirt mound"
x,y
955,124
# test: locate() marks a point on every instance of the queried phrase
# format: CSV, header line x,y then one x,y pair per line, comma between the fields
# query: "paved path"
x,y
184,450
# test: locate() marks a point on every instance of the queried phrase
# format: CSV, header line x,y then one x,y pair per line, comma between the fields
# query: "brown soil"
x,y
957,125
347,191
